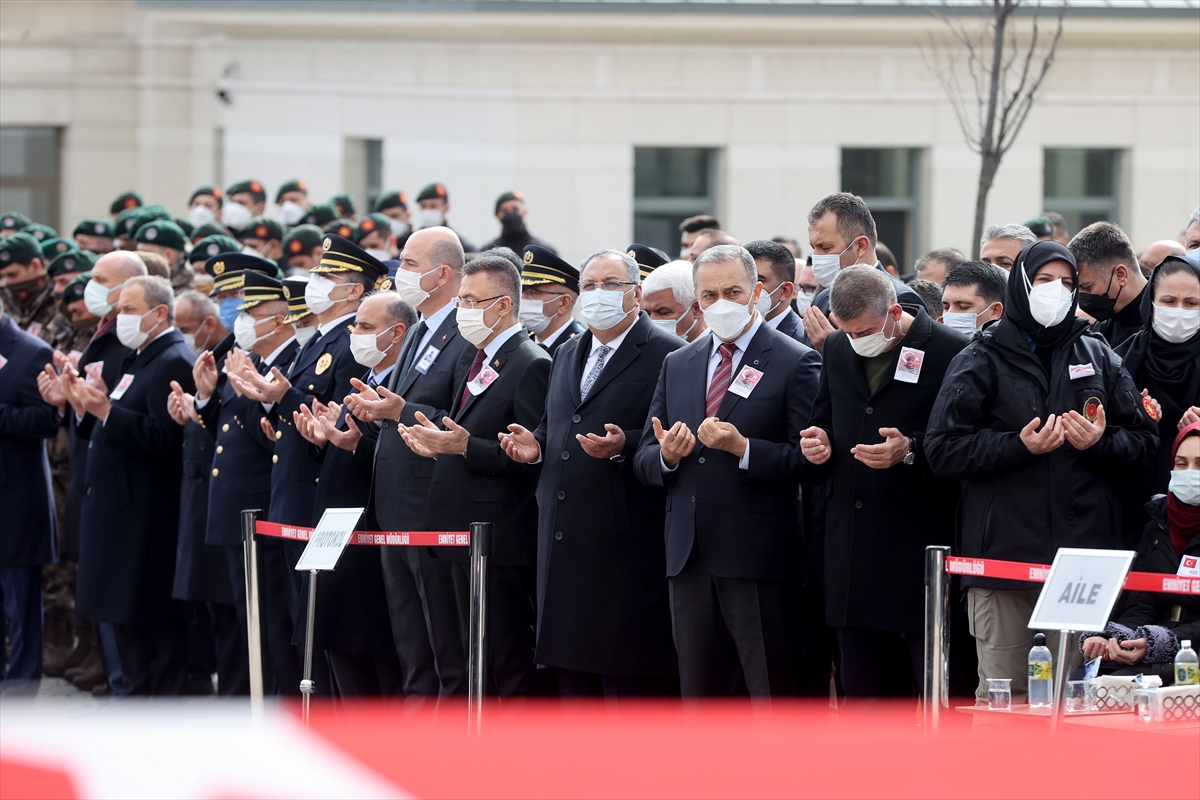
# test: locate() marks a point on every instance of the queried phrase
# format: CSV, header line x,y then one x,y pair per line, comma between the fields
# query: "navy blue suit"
x,y
571,330
27,524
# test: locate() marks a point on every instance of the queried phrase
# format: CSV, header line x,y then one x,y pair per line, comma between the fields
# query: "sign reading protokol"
x,y
1081,589
329,538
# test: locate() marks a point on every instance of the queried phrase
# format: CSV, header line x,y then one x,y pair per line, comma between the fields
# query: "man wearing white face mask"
x,y
549,287
1041,424
433,204
879,380
204,205
777,273
130,511
243,201
262,237
723,438
972,296
669,297
292,201
373,233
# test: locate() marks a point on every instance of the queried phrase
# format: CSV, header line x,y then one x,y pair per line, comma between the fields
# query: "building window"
x,y
888,180
1082,185
30,177
670,184
362,172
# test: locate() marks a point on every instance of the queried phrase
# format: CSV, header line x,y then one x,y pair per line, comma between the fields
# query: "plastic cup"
x,y
1076,696
1000,694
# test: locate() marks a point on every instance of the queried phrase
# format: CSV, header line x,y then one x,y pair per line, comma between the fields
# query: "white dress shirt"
x,y
432,323
594,354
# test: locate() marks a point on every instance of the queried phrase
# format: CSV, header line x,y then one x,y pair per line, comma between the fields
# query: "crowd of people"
x,y
711,475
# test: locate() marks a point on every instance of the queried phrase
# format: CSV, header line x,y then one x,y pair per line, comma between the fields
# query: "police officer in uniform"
x,y
549,289
648,259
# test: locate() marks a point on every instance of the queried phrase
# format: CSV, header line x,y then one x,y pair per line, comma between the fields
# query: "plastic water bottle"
x,y
1041,673
1187,665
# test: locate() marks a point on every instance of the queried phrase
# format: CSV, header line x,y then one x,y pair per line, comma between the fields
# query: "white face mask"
x,y
962,321
129,329
471,324
764,304
234,215
1176,325
803,301
304,334
291,213
316,294
200,215
603,310
365,348
1185,485
408,285
727,318
671,326
250,251
379,255
428,218
876,343
190,340
1049,303
533,315
245,331
95,297
827,266
1193,255
399,228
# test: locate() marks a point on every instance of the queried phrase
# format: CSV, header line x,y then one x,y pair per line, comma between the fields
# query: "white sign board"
x,y
1081,589
329,539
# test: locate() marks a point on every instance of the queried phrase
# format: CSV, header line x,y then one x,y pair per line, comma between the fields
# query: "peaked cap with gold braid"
x,y
342,255
542,266
259,288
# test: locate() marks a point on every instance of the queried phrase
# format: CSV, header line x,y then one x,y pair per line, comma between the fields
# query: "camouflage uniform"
x,y
31,306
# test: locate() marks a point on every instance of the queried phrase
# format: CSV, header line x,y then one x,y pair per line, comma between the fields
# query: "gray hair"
x,y
1009,231
396,309
1194,218
946,255
157,291
630,264
676,276
727,252
202,305
507,277
860,289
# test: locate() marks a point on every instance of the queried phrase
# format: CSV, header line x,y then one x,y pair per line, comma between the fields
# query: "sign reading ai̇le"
x,y
1081,589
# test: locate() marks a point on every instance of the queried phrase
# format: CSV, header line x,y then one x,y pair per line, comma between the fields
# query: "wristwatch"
x,y
911,456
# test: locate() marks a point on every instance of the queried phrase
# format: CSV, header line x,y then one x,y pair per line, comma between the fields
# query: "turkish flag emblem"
x,y
1189,562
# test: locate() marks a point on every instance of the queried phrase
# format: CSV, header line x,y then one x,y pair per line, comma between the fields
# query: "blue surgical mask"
x,y
1193,255
229,311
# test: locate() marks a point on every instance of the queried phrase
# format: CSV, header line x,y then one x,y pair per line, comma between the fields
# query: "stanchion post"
x,y
937,605
253,618
307,686
1058,709
481,548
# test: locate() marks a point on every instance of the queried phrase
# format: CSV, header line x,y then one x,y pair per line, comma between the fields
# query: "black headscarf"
x,y
1016,301
1170,371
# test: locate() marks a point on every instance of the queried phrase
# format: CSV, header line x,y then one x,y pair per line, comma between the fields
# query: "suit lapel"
x,y
698,374
755,357
441,339
497,363
625,355
576,364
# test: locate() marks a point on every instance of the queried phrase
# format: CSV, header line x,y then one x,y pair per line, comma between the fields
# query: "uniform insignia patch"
x,y
323,363
1091,408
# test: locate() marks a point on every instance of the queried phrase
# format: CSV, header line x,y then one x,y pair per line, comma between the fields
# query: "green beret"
x,y
391,200
14,221
185,225
129,221
124,202
209,246
434,191
294,185
320,214
264,228
504,198
162,232
40,232
344,203
20,248
208,229
248,187
54,247
371,223
94,227
208,189
75,288
301,239
342,227
76,261
1041,226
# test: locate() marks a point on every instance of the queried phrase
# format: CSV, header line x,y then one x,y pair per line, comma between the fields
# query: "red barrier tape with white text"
x,y
1018,571
377,538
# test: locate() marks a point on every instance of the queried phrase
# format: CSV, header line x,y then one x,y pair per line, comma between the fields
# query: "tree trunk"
x,y
989,163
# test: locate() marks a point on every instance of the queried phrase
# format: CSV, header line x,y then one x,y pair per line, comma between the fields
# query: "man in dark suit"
x,y
474,481
29,523
433,364
883,369
734,553
603,616
549,288
130,515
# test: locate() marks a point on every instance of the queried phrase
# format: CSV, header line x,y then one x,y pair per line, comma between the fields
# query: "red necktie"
x,y
720,380
476,366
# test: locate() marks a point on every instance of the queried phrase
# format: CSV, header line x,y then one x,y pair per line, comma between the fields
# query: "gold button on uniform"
x,y
225,427
278,435
220,449
216,472
275,459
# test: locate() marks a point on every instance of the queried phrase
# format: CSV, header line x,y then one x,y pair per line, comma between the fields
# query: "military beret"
x,y
20,248
210,190
129,221
162,232
94,227
340,227
248,187
294,185
75,261
209,246
371,223
53,247
40,232
504,198
342,255
293,292
185,225
124,202
344,203
434,191
14,221
542,266
258,288
320,214
75,288
264,228
647,259
1041,226
228,269
301,239
391,200
208,229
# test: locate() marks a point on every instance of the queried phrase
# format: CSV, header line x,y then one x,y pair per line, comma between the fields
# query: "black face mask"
x,y
512,223
1099,306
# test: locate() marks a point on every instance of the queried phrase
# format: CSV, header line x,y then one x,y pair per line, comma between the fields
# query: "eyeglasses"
x,y
608,286
460,302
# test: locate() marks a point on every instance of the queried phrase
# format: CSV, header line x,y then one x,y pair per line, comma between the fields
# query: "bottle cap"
x,y
1186,643
1039,640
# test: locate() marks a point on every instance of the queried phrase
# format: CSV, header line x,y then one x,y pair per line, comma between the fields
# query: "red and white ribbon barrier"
x,y
375,538
1018,571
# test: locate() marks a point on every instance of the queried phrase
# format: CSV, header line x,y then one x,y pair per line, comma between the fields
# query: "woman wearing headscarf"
x,y
1038,420
1146,637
